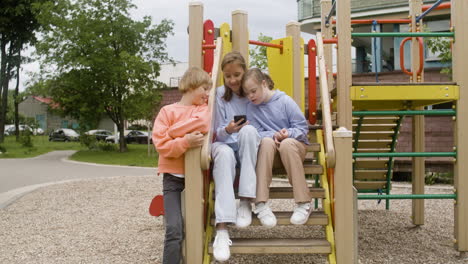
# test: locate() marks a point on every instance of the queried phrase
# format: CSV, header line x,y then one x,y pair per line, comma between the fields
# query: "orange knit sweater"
x,y
170,127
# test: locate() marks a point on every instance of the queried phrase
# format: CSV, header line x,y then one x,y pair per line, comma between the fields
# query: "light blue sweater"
x,y
225,112
279,112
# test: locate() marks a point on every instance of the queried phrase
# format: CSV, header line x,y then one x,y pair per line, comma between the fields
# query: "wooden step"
x,y
315,218
375,127
278,246
313,147
310,158
375,134
287,193
308,169
370,175
371,164
367,150
369,185
377,120
374,144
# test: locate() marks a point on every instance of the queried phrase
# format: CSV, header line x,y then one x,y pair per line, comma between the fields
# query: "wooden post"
x,y
418,121
345,207
327,33
195,34
193,197
293,29
194,227
344,233
343,28
240,33
459,66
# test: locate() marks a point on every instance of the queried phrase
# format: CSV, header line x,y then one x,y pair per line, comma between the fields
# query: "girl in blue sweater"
x,y
283,128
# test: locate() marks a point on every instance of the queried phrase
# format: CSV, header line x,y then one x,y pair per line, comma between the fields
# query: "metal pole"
x,y
404,34
404,154
407,112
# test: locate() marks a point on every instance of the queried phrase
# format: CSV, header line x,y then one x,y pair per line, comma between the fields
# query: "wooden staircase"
x,y
374,134
282,245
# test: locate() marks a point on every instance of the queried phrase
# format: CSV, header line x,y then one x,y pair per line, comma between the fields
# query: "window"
x,y
305,9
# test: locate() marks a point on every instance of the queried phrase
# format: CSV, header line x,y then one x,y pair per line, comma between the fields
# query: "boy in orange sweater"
x,y
177,128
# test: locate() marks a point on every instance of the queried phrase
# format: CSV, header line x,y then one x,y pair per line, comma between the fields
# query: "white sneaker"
x,y
266,216
221,245
301,214
244,214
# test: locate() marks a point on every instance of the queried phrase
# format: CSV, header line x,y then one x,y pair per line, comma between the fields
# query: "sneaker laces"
x,y
221,237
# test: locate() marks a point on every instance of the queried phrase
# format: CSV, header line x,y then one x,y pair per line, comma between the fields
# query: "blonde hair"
x,y
237,58
193,78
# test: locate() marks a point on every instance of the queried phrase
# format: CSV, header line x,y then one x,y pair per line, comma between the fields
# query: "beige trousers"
x,y
289,154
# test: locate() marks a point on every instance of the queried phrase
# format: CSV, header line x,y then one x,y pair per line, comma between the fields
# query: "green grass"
x,y
137,155
41,145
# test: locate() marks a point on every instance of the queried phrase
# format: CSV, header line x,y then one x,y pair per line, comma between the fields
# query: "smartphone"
x,y
239,117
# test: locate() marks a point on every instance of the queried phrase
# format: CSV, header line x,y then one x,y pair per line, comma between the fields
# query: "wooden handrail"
x,y
325,103
206,148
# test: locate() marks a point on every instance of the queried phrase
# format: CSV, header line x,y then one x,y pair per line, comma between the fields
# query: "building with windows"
x,y
379,54
40,109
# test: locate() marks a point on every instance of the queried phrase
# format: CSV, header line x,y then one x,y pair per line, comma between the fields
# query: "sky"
x,y
268,17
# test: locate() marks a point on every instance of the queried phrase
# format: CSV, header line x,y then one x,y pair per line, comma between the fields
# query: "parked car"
x,y
10,129
131,136
64,134
38,131
100,134
139,137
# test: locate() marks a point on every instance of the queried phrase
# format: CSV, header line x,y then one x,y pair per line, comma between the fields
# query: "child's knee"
x,y
248,131
287,144
174,230
223,153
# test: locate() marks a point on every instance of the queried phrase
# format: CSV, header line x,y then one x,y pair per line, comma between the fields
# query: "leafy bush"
x,y
104,146
88,141
2,149
25,139
439,177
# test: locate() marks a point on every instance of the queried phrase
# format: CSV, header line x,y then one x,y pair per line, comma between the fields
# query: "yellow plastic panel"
x,y
225,33
302,77
401,96
280,65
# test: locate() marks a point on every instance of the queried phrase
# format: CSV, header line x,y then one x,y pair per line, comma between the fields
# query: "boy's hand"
x,y
195,139
281,135
234,127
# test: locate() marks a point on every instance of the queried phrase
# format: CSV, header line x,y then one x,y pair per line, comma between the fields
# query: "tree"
x,y
258,55
99,60
442,46
17,26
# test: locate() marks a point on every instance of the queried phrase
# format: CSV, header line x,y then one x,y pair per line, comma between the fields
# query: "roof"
x,y
47,101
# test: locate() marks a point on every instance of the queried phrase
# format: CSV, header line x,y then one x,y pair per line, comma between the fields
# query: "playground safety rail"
x,y
206,147
326,108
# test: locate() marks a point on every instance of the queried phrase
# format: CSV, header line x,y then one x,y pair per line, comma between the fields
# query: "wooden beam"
x,y
240,33
344,63
459,66
327,33
195,34
418,121
293,29
345,235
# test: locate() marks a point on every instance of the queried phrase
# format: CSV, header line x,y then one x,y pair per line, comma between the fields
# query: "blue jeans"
x,y
226,159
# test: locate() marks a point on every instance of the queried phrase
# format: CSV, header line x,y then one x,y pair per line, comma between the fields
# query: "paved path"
x,y
19,176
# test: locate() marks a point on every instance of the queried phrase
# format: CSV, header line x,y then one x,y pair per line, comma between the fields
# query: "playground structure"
x,y
360,152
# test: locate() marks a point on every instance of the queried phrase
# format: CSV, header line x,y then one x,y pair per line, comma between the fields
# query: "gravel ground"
x,y
107,221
